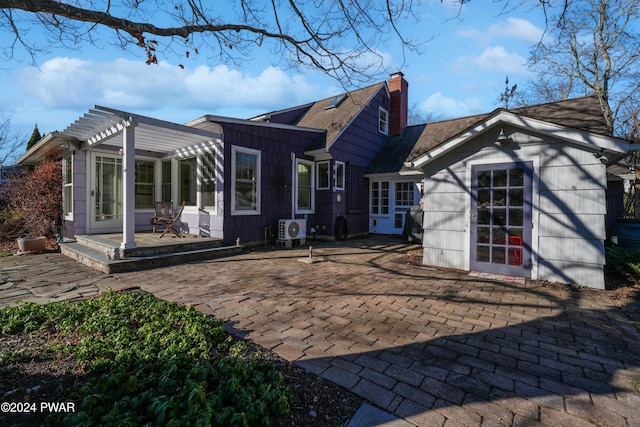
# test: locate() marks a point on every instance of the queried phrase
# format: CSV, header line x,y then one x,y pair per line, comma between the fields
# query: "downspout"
x,y
293,185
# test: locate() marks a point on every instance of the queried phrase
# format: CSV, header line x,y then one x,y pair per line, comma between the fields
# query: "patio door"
x,y
501,218
405,197
106,193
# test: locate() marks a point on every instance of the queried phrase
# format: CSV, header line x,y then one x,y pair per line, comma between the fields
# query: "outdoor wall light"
x,y
503,139
600,156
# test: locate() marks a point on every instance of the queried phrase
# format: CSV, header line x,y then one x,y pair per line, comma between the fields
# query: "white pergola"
x,y
131,132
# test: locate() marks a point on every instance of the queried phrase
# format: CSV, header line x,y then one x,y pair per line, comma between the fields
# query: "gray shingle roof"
x,y
335,120
582,113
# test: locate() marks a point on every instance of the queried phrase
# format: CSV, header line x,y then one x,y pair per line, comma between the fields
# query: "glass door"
x,y
404,199
106,194
501,218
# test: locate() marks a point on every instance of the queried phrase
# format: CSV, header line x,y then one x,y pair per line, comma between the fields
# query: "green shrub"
x,y
623,262
154,363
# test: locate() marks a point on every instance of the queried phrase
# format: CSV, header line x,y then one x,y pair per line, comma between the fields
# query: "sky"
x,y
460,71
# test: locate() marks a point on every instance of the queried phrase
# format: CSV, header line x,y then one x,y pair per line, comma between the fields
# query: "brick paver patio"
x,y
433,347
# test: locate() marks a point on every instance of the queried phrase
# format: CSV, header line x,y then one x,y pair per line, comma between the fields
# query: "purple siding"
x,y
288,117
276,146
357,146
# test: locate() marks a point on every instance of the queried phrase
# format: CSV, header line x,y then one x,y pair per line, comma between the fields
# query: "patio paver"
x,y
432,347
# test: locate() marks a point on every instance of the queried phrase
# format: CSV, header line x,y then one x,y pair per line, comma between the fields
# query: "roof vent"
x,y
336,101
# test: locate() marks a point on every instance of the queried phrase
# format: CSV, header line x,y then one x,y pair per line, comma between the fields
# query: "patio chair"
x,y
170,223
164,210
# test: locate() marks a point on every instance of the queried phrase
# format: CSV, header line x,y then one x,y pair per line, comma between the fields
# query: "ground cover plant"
x,y
143,361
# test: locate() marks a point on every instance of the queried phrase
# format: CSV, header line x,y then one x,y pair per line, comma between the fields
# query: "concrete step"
x,y
105,245
97,258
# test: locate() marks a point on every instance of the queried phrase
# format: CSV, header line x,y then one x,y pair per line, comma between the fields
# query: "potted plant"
x,y
32,244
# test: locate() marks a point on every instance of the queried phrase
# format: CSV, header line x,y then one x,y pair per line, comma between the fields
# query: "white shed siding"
x,y
443,257
569,206
580,273
570,226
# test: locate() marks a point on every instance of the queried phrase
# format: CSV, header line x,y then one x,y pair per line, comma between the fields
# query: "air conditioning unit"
x,y
292,229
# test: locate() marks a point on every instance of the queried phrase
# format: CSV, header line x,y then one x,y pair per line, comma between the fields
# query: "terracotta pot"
x,y
32,244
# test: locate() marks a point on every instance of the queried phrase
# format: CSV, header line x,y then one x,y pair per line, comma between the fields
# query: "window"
x,y
166,181
336,101
208,180
383,121
187,181
67,186
339,176
380,197
145,184
304,187
404,194
245,185
322,178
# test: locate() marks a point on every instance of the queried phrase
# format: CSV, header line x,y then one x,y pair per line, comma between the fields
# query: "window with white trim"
x,y
340,174
145,188
380,197
208,167
322,172
67,186
165,180
304,186
245,181
187,181
383,121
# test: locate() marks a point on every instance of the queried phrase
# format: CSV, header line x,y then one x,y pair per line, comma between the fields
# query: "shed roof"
x,y
582,113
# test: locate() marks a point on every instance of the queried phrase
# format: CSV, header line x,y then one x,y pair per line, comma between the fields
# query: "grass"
x,y
152,363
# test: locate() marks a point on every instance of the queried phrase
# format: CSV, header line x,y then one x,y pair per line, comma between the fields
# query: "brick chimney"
x,y
399,103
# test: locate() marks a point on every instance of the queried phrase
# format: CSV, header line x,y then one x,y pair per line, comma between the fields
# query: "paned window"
x,y
340,174
187,181
166,181
383,121
145,184
404,194
246,181
322,170
67,184
380,197
304,187
208,180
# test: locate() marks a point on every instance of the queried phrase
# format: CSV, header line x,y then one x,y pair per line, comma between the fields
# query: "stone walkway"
x,y
433,347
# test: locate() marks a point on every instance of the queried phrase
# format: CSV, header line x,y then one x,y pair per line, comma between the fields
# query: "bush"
x,y
152,362
33,203
623,262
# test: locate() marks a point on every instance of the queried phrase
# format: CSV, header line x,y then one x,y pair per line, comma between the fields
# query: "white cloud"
x,y
509,30
439,105
71,83
516,28
493,59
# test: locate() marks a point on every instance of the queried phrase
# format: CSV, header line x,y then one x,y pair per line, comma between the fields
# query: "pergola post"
x,y
128,187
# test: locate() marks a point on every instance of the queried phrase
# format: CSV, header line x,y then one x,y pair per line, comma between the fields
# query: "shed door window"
x,y
501,218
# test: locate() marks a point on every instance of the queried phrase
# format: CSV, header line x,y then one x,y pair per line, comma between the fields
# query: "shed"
x,y
519,192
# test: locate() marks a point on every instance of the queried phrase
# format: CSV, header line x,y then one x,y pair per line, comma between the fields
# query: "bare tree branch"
x,y
12,145
593,48
330,35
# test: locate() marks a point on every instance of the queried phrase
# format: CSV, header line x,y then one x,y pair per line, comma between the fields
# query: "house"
x,y
238,178
520,192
